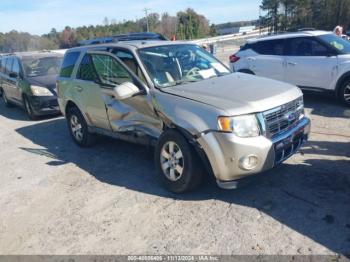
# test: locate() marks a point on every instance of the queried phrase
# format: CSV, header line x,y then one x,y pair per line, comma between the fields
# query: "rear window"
x,y
68,64
269,47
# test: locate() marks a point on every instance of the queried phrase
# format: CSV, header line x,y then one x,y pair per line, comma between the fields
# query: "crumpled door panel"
x,y
133,115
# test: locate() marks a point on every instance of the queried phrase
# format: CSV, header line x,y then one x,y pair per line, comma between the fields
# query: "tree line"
x,y
291,15
185,25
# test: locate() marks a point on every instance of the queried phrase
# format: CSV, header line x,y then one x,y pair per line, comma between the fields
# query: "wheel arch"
x,y
246,71
71,104
194,144
341,81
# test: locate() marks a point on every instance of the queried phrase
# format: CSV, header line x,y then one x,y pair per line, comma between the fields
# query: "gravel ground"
x,y
56,198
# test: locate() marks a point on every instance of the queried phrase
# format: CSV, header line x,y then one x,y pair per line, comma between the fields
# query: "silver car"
x,y
201,118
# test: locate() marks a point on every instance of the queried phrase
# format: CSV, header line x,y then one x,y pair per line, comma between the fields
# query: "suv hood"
x,y
238,93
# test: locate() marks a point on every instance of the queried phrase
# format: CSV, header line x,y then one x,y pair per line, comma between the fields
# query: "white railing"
x,y
223,38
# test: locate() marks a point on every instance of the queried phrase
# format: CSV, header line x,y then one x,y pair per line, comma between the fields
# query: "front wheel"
x,y
78,128
29,109
177,164
344,93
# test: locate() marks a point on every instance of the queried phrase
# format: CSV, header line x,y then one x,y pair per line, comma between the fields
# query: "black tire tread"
x,y
89,138
193,173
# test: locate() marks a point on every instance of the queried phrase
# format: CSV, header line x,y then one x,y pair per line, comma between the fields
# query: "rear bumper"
x,y
44,105
226,152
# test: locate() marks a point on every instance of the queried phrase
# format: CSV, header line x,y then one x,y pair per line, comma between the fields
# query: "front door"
x,y
309,63
130,114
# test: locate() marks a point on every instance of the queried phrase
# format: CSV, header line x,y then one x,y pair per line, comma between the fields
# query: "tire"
x,y
177,164
6,101
29,109
1,92
344,93
78,128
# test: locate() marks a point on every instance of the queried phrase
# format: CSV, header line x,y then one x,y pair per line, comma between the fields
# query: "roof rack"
x,y
124,37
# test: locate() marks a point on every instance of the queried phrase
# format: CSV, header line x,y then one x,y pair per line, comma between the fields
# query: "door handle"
x,y
79,88
292,63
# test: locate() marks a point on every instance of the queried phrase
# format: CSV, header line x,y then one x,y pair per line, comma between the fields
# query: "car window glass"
x,y
68,64
341,45
15,66
271,47
109,70
178,64
128,59
306,47
8,66
86,70
41,65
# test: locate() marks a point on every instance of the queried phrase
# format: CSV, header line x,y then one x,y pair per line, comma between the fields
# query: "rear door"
x,y
270,61
310,63
131,114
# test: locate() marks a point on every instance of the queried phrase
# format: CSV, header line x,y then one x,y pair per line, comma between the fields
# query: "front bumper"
x,y
225,151
44,105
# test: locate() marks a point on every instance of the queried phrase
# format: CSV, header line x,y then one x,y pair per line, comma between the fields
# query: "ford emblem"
x,y
291,117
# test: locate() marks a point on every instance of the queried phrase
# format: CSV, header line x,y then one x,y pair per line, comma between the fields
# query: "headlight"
x,y
242,126
40,91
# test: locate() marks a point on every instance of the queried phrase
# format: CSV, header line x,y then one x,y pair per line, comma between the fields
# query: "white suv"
x,y
316,60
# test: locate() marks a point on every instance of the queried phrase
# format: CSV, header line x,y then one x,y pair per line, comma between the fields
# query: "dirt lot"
x,y
56,198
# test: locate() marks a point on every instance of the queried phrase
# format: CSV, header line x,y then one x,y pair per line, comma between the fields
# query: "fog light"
x,y
249,162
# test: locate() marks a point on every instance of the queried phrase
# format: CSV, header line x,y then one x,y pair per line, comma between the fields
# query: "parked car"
x,y
28,80
179,98
315,60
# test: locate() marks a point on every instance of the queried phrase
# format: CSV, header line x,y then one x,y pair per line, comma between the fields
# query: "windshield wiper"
x,y
180,82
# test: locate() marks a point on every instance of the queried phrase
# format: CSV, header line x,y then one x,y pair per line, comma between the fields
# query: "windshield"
x,y
178,64
34,66
343,46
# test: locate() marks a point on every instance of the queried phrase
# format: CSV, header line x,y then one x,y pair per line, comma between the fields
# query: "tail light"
x,y
234,58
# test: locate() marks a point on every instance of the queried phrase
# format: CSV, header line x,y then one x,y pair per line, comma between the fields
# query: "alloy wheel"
x,y
347,93
76,127
172,161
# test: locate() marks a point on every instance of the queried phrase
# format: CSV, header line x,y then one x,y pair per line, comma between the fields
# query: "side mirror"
x,y
13,75
126,90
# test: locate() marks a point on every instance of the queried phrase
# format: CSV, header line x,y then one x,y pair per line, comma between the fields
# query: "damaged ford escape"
x,y
200,117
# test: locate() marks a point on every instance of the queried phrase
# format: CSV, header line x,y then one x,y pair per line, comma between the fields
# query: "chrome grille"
x,y
283,117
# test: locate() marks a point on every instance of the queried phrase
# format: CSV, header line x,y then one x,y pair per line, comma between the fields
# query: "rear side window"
x,y
270,47
86,70
68,64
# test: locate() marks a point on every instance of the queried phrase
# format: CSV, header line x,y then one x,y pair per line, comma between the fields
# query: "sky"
x,y
40,16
